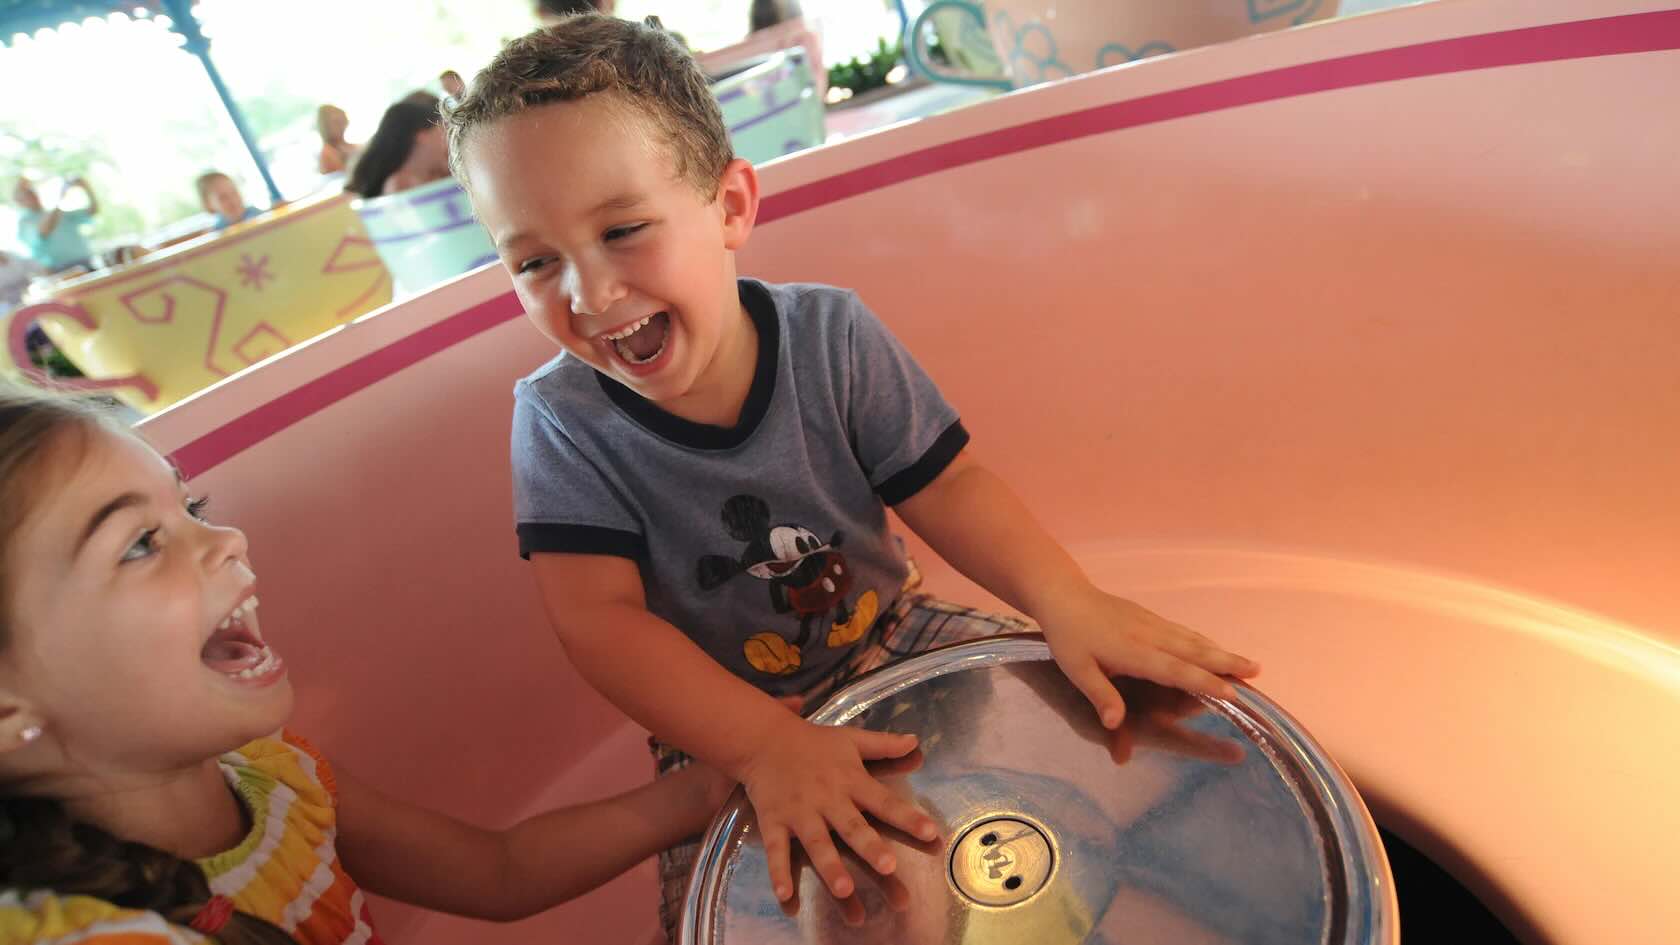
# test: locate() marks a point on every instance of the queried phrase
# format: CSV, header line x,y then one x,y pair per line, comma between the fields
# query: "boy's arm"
x,y
805,781
976,522
421,857
647,667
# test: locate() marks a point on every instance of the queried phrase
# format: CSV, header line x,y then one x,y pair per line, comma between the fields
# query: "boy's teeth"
x,y
629,330
628,355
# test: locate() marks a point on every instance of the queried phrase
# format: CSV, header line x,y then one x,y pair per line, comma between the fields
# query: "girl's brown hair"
x,y
41,848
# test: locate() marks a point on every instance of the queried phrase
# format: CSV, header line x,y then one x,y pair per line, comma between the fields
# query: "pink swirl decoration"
x,y
18,337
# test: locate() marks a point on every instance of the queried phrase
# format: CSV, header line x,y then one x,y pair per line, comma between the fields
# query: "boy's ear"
x,y
738,196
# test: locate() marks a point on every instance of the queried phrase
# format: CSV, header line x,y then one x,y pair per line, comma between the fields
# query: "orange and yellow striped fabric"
x,y
285,871
40,918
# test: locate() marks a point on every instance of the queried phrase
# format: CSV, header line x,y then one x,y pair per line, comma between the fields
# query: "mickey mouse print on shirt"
x,y
807,578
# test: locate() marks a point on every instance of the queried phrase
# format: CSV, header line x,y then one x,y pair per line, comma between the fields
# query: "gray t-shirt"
x,y
766,542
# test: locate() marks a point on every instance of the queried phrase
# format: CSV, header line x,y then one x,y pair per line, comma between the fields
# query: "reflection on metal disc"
x,y
1199,820
1001,861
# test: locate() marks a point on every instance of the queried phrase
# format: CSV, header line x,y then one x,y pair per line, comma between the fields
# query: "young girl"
x,y
406,151
144,793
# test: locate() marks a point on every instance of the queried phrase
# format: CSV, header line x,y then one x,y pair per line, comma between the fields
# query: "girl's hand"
x,y
1095,636
806,781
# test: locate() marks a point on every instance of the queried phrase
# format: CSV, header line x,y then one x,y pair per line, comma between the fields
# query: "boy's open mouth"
x,y
237,649
644,341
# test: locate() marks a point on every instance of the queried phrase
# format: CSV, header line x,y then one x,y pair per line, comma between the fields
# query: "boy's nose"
x,y
592,288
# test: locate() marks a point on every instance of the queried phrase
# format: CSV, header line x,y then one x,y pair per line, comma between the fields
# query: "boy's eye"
x,y
620,232
144,547
196,507
532,265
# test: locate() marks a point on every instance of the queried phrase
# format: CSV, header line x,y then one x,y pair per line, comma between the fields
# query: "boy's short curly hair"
x,y
587,54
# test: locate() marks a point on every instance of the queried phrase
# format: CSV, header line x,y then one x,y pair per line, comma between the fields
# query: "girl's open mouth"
x,y
236,649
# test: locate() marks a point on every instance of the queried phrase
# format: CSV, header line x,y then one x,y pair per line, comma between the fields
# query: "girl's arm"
x,y
425,858
977,523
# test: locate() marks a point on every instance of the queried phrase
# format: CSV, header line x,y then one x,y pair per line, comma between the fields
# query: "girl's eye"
x,y
532,265
144,547
620,232
196,507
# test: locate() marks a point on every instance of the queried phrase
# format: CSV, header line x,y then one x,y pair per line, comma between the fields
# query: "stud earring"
x,y
29,734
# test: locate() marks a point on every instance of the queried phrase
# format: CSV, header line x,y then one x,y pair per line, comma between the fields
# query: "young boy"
x,y
218,194
701,478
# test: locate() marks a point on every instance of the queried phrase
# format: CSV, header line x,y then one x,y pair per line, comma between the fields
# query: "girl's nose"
x,y
222,544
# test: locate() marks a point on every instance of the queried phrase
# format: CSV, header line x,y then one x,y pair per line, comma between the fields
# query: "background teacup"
x,y
771,105
174,323
426,235
1040,40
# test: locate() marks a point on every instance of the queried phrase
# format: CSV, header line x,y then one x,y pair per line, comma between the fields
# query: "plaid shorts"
x,y
914,624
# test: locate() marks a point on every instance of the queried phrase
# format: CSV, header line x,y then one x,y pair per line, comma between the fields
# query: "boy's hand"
x,y
808,780
1095,635
712,787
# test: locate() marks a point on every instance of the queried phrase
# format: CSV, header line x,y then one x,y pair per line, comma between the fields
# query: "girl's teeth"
x,y
262,666
243,612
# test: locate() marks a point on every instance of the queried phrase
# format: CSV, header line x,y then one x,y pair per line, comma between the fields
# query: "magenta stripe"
x,y
246,431
1634,33
1639,32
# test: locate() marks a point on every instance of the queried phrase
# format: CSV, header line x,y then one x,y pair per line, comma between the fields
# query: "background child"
x,y
406,151
453,85
331,123
701,479
54,237
144,794
218,194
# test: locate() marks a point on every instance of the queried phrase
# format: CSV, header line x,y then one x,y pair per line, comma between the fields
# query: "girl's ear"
x,y
20,725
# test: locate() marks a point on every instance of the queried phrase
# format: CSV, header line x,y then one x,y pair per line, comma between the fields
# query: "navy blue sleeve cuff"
x,y
916,477
552,538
